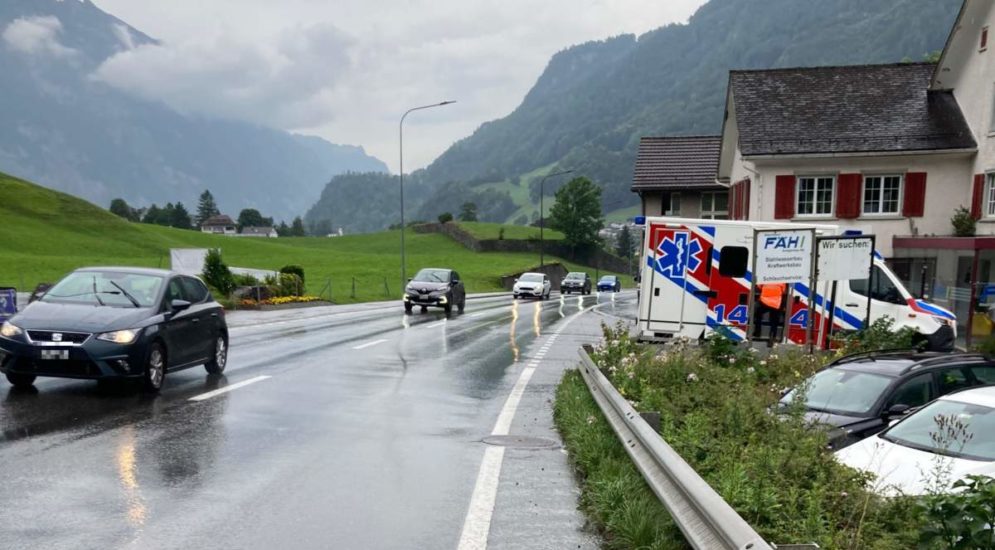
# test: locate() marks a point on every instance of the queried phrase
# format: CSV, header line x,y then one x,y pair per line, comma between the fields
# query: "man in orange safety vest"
x,y
770,305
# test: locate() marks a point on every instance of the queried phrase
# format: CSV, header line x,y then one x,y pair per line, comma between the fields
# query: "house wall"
x,y
690,203
948,185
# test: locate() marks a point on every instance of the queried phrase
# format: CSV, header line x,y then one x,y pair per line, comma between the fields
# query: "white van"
x,y
683,291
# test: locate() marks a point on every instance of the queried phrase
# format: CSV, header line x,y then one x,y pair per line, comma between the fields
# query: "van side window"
x,y
879,288
733,261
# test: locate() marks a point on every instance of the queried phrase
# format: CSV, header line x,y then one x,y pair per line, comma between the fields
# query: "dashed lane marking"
x,y
228,388
369,344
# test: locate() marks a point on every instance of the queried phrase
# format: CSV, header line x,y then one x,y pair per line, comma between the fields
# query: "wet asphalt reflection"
x,y
346,428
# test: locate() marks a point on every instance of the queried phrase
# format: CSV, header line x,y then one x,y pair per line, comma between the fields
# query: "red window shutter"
x,y
744,192
733,210
848,196
784,197
978,196
914,204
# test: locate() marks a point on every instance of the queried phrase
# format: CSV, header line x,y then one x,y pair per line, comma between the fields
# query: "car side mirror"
x,y
179,305
409,279
516,280
897,410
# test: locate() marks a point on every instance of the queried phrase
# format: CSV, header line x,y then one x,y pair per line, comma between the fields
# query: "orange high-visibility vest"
x,y
772,294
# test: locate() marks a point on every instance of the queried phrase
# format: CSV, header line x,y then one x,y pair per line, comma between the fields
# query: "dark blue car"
x,y
108,323
609,283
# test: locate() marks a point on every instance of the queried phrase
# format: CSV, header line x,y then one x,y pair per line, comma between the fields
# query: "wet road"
x,y
345,427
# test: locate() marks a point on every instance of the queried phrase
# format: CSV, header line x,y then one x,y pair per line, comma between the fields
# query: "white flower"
x,y
751,370
763,362
692,377
732,360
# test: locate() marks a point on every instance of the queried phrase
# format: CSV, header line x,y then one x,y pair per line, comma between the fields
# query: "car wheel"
x,y
515,296
21,380
448,309
217,364
462,305
424,309
408,308
155,368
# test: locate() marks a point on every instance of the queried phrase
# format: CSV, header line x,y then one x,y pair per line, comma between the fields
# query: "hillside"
x,y
65,128
594,101
48,233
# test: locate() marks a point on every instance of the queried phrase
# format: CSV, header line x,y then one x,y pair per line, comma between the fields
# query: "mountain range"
x,y
592,103
65,129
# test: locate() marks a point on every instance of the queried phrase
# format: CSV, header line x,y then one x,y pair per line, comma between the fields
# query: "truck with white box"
x,y
697,278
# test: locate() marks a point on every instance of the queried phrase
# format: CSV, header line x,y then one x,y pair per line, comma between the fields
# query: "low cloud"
x,y
281,81
37,36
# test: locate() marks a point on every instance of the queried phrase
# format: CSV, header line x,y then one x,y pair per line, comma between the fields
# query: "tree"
x,y
577,213
206,207
217,274
283,230
624,245
468,212
297,228
153,215
250,217
445,217
179,217
121,208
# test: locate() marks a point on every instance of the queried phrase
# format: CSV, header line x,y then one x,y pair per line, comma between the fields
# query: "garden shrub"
x,y
294,269
216,273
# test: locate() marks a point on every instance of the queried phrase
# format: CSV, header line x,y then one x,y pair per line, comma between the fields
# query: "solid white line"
x,y
503,424
369,344
228,388
477,524
439,324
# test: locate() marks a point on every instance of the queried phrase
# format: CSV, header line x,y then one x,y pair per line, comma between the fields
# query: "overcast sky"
x,y
346,70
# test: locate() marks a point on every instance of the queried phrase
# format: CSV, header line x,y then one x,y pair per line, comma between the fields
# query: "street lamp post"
x,y
542,212
404,274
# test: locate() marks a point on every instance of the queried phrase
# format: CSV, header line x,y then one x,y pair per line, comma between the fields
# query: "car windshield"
x,y
106,288
432,276
608,279
951,428
531,278
575,275
840,391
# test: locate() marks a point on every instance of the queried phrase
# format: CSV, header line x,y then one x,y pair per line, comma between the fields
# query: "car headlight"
x,y
943,321
119,336
10,330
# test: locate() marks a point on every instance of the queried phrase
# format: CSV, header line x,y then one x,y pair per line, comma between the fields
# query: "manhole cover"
x,y
521,442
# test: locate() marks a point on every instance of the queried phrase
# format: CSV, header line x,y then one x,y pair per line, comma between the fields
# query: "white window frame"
x,y
988,208
815,192
880,213
675,199
712,213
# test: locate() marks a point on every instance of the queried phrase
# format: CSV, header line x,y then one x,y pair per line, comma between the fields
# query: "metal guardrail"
x,y
707,521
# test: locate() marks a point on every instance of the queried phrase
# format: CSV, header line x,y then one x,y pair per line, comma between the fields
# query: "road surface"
x,y
338,427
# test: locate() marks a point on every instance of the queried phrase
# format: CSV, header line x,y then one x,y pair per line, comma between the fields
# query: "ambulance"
x,y
696,279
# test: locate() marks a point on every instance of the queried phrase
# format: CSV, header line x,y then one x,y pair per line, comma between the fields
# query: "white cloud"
x,y
278,81
37,36
347,70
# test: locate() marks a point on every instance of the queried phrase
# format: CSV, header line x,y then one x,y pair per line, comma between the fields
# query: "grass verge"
x,y
714,405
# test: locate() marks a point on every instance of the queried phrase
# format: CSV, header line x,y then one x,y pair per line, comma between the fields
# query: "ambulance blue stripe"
x,y
708,229
935,310
839,313
714,325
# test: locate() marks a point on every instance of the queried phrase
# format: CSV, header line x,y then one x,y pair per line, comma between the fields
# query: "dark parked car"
x,y
116,322
609,283
576,282
437,288
858,395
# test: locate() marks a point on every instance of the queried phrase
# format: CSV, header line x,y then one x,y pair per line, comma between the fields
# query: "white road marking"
x,y
369,344
439,324
477,525
227,388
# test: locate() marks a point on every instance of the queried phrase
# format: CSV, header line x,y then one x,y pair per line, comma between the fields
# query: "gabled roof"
x,y
257,230
674,163
222,219
851,109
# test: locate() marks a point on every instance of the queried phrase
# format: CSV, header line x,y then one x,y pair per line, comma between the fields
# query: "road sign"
x,y
784,256
8,303
845,258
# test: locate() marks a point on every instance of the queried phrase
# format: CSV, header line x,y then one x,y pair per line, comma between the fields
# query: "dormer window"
x,y
984,39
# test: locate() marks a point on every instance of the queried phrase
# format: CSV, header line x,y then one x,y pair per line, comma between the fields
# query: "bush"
x,y
445,217
964,223
962,519
216,273
244,279
881,335
294,269
285,284
714,404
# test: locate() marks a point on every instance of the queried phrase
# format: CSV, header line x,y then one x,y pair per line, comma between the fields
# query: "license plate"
x,y
56,354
